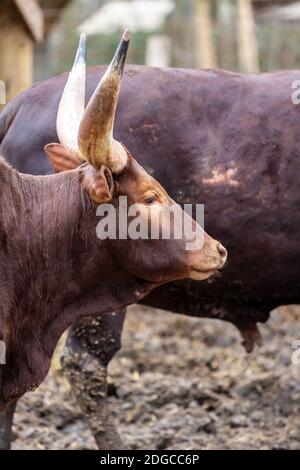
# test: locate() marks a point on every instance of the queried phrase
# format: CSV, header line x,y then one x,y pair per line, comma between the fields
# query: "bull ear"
x,y
61,158
98,183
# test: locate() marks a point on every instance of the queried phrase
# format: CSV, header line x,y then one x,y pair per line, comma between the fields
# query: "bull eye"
x,y
150,199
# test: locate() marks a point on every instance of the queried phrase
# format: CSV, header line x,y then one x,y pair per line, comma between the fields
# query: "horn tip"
x,y
126,35
81,51
82,41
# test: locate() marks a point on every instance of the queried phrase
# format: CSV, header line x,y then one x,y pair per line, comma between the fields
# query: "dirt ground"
x,y
182,383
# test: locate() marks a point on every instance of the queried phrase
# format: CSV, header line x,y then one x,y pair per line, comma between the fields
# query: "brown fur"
x,y
51,262
54,270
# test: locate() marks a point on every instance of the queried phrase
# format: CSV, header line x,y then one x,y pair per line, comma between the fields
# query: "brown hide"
x,y
53,271
228,140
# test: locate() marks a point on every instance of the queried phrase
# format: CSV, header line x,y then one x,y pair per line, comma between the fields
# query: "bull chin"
x,y
198,275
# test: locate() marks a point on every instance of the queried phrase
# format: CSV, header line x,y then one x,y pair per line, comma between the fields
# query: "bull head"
x,y
87,134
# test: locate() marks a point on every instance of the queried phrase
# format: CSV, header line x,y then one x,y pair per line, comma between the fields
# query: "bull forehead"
x,y
135,182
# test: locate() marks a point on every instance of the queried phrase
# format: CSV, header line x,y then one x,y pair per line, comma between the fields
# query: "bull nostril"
x,y
222,251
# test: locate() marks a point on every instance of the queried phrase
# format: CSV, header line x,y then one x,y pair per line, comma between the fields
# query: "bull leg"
x,y
91,345
6,420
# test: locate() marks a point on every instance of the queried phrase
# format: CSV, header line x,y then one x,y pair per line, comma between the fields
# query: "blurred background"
x,y
178,382
39,37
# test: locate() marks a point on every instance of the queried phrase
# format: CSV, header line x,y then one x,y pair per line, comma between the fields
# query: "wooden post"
x,y
206,54
16,44
226,42
246,38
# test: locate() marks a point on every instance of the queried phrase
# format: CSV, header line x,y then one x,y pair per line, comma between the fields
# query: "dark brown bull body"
x,y
227,140
49,263
54,269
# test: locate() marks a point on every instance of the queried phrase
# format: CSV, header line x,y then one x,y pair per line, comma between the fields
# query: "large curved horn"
x,y
72,103
95,136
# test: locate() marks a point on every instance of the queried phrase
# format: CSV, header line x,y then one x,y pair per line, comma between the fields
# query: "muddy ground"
x,y
182,383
